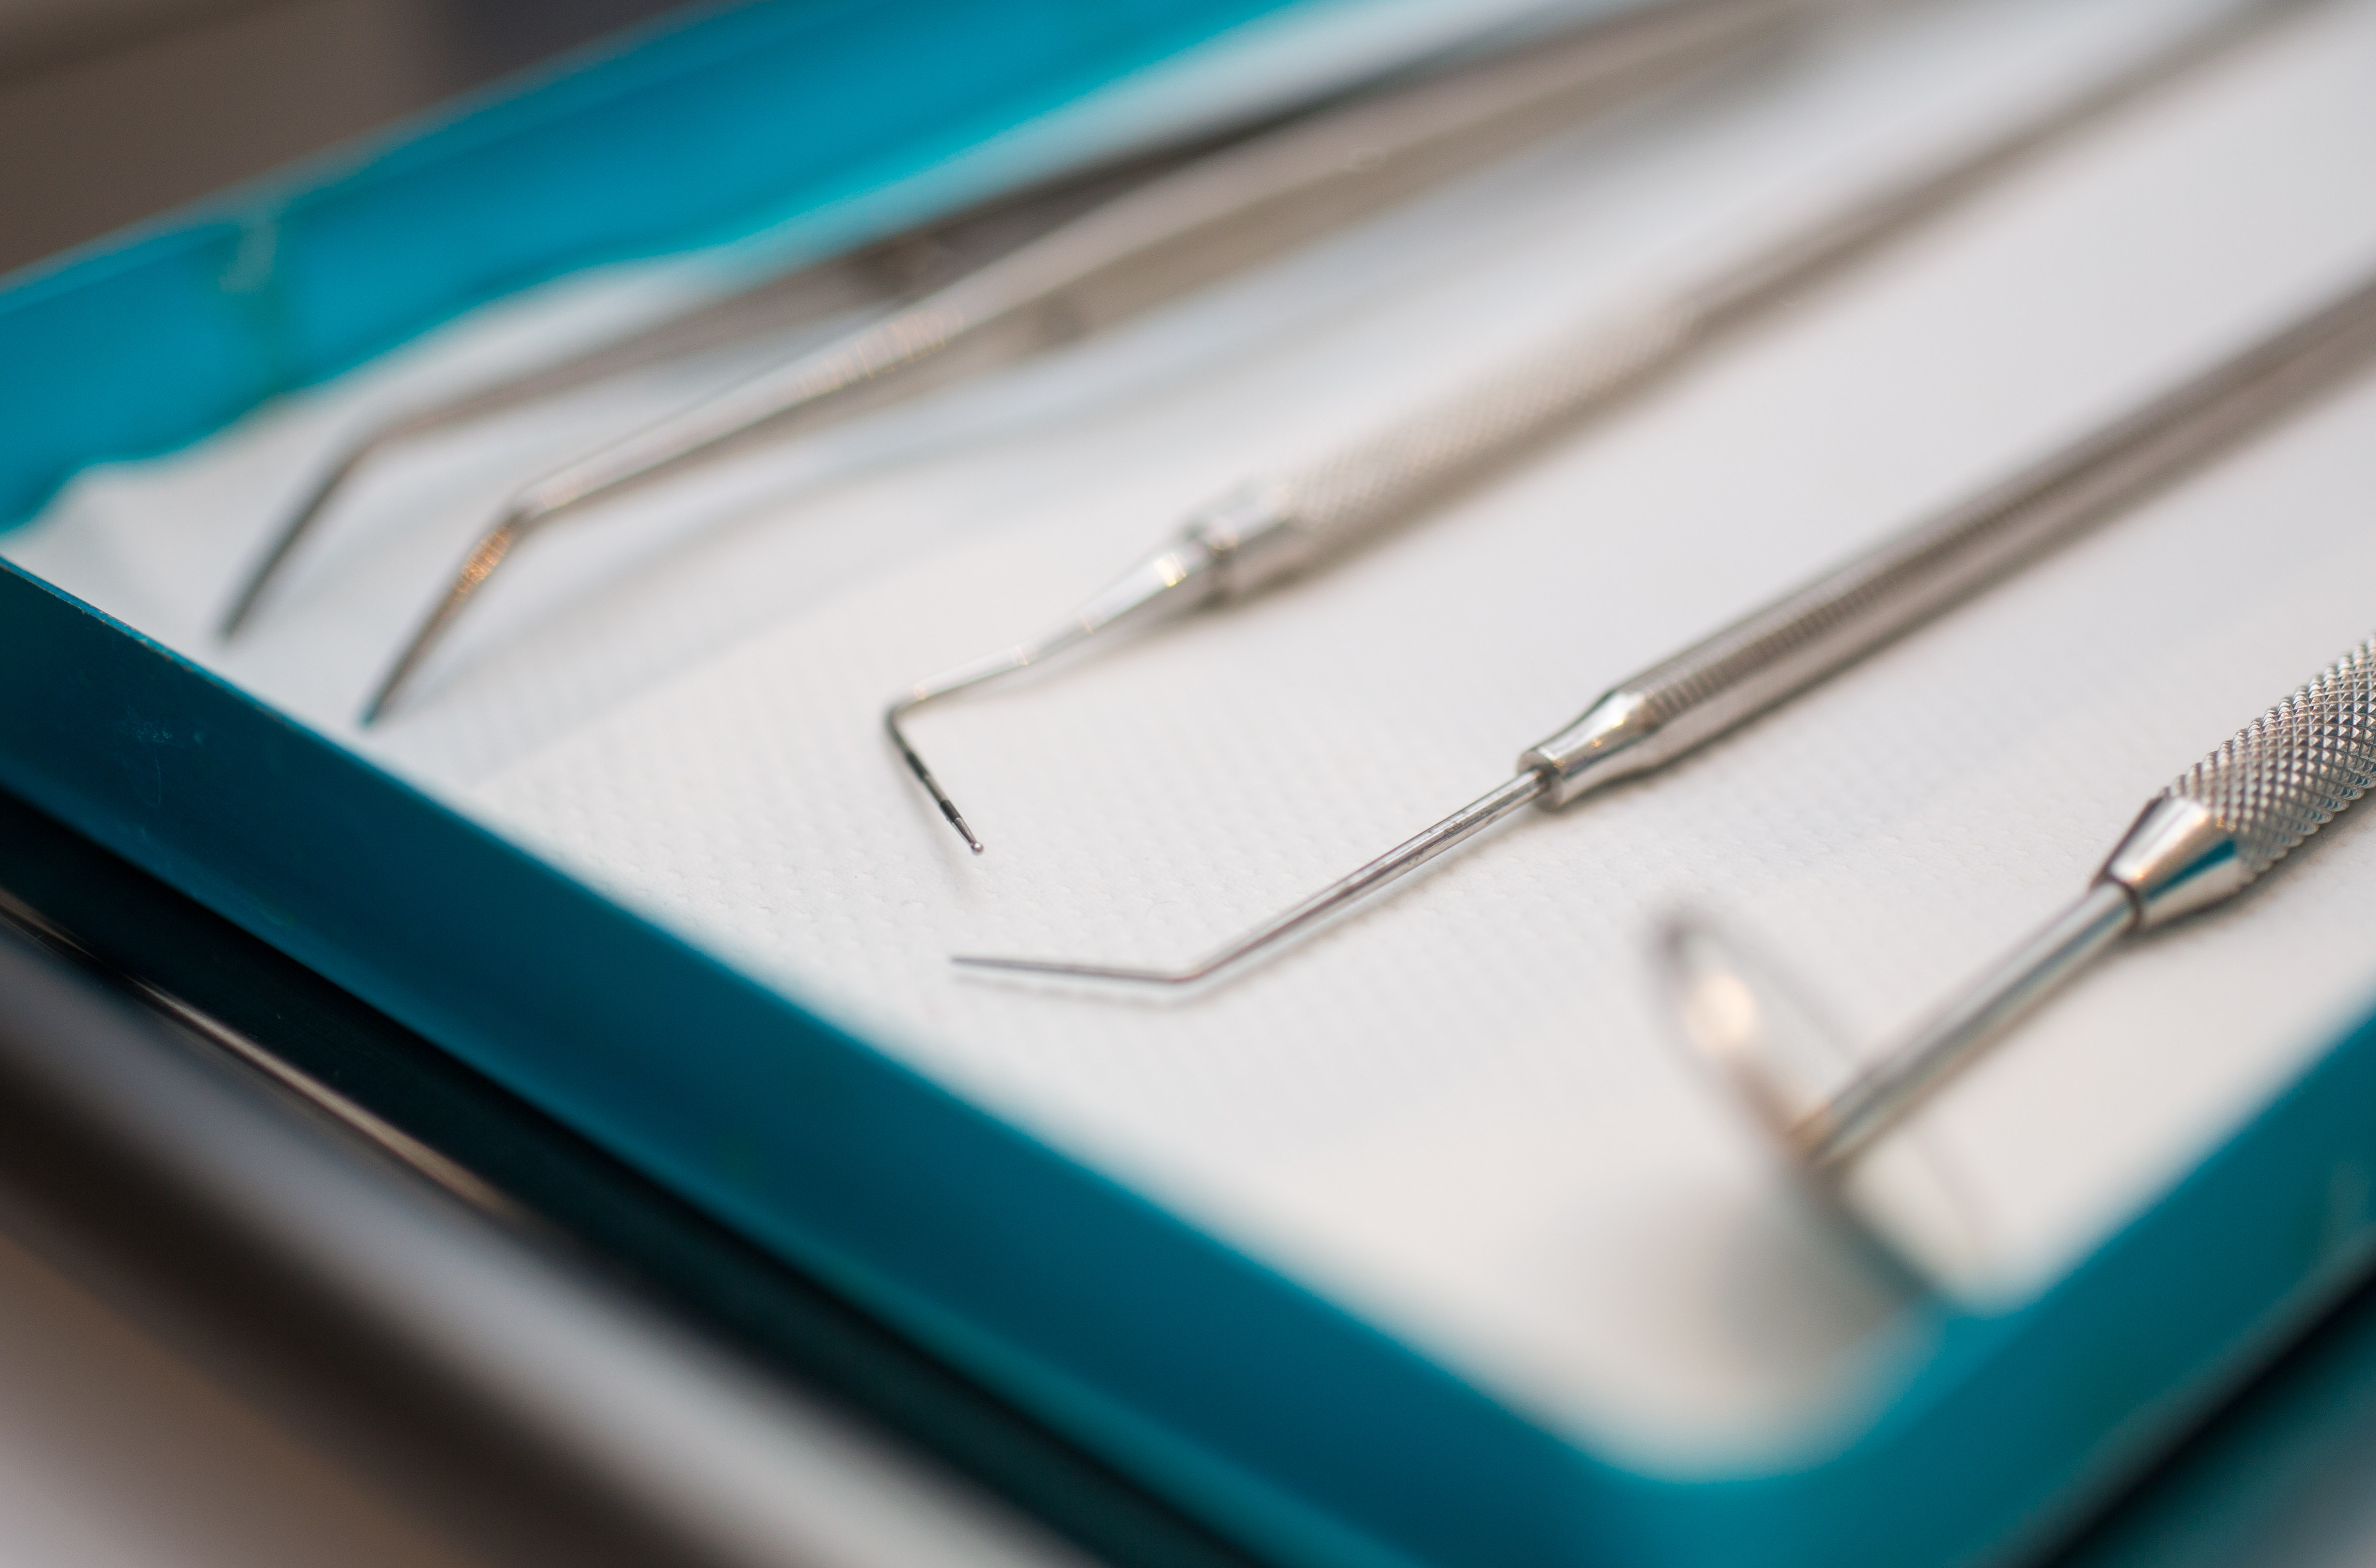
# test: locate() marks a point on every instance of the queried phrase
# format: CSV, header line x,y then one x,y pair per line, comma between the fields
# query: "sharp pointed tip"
x,y
923,774
1060,968
1006,965
948,807
243,608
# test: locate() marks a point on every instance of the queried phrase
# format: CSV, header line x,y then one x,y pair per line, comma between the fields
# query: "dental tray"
x,y
1424,1244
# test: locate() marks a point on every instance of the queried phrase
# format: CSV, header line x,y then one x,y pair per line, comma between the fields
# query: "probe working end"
x,y
1309,915
1178,577
891,717
1064,970
485,557
251,593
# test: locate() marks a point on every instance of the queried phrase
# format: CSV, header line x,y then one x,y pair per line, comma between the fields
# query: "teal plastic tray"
x,y
1286,1423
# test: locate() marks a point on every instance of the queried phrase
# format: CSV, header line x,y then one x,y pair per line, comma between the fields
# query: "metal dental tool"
x,y
1221,214
1280,525
902,267
897,269
2206,837
1754,665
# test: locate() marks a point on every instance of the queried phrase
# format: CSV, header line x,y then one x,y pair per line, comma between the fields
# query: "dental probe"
x,y
1274,527
900,268
896,270
2204,839
1754,665
1234,209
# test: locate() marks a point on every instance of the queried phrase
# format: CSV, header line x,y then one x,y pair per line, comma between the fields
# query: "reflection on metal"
x,y
381,1134
2209,835
1292,522
1216,216
1772,654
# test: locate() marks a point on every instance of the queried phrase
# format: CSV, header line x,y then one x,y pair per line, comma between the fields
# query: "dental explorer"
x,y
1276,526
1752,666
1231,210
891,270
2206,837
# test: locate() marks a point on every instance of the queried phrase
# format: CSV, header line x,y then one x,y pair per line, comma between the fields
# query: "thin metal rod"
x,y
1237,208
1783,269
1801,639
870,278
1887,1092
485,557
2219,826
1168,581
316,501
1389,867
1614,352
887,273
891,717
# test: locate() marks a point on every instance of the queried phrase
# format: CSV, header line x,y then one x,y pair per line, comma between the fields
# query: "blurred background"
x,y
112,111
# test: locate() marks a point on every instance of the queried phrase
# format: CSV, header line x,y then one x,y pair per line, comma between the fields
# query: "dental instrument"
x,y
1752,666
1221,214
1282,525
903,267
2210,835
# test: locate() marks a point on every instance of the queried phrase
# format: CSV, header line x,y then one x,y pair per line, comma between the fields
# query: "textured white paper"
x,y
1461,1113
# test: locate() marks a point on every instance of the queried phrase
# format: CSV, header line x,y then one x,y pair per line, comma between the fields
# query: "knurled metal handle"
x,y
1412,465
2240,810
1764,658
2225,821
2285,774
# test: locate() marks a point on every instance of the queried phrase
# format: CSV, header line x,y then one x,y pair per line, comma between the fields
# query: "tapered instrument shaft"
x,y
1764,658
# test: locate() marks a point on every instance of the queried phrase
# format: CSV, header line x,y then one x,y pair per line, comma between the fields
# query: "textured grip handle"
x,y
2286,774
1787,646
1362,489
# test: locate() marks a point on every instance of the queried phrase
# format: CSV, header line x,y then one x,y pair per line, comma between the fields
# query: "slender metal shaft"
x,y
1289,523
912,262
2210,835
1395,864
1236,208
1877,1100
1152,589
1770,655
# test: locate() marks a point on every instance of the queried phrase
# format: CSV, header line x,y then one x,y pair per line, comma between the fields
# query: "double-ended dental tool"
x,y
1755,664
2209,835
1284,524
1217,215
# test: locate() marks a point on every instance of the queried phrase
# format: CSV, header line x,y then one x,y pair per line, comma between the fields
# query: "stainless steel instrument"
x,y
1755,664
1281,524
1233,210
903,267
2212,833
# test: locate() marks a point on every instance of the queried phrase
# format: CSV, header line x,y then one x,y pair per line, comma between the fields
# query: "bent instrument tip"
x,y
294,533
1175,578
916,765
487,555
